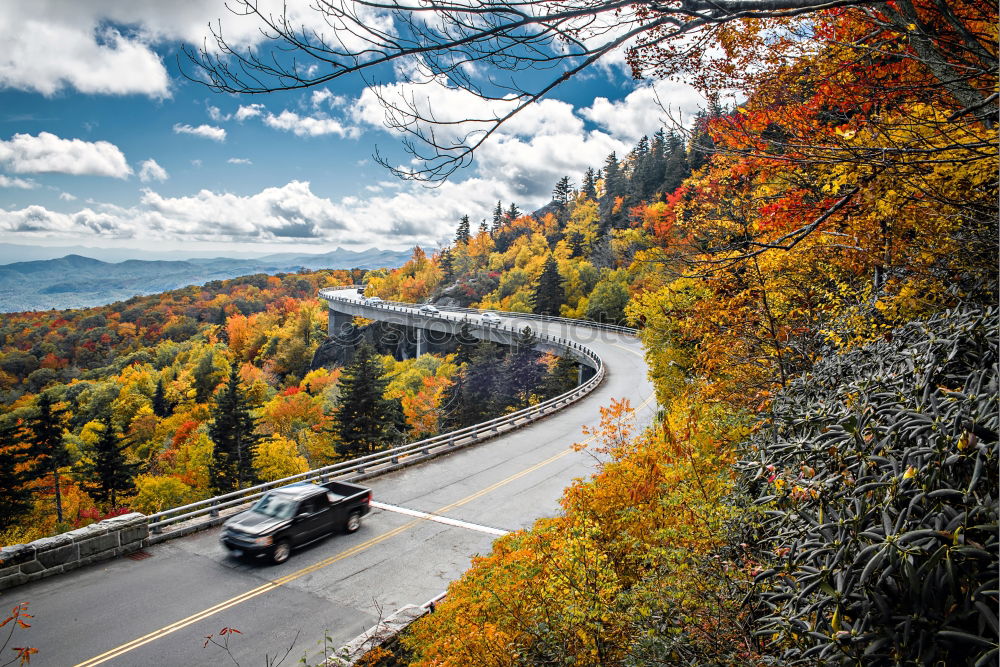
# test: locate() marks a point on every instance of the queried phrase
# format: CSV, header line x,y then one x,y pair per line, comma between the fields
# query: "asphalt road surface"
x,y
158,610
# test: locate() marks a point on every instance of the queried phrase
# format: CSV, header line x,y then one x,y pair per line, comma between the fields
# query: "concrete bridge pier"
x,y
584,373
421,342
338,322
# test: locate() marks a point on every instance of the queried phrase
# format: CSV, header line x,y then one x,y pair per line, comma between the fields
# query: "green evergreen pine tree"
x,y
577,244
702,145
47,447
562,194
463,234
453,403
521,374
649,169
494,380
446,262
233,431
549,293
206,378
108,472
637,156
220,320
364,421
483,228
161,406
589,187
497,219
396,418
15,473
675,164
467,344
475,393
615,186
512,213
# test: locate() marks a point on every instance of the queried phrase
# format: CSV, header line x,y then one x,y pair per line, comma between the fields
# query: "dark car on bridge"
x,y
294,515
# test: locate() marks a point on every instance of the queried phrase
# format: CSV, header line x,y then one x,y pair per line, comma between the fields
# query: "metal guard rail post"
x,y
421,449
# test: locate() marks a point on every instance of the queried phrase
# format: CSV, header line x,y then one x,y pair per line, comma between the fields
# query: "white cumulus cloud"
x,y
39,221
525,156
309,126
19,183
665,102
46,56
53,45
206,131
289,212
239,160
249,111
149,170
216,114
324,96
27,154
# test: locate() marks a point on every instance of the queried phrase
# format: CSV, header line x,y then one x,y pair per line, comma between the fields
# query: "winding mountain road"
x,y
158,609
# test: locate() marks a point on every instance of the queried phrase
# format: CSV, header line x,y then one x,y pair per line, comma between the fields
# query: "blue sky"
x,y
103,143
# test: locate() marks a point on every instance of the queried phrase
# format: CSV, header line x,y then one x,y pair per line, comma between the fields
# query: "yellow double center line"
x,y
239,599
277,583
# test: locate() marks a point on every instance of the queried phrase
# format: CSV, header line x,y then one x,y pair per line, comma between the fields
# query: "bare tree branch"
x,y
446,42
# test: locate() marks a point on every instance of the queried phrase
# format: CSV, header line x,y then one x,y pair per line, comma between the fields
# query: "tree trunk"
x,y
55,479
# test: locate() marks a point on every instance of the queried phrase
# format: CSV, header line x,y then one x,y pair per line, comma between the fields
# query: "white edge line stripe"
x,y
439,519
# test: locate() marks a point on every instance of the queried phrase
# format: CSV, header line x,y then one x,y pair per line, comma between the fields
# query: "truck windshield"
x,y
273,505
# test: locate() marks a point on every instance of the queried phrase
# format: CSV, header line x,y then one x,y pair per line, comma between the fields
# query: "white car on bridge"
x,y
489,317
428,309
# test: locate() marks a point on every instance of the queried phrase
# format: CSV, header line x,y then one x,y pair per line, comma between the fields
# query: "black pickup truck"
x,y
293,515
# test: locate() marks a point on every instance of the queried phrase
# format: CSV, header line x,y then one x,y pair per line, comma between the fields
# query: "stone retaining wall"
x,y
106,539
353,652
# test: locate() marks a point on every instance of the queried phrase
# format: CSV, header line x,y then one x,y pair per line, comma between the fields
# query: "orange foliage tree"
x,y
632,552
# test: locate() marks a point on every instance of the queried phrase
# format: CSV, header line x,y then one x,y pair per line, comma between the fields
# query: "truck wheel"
x,y
281,552
353,522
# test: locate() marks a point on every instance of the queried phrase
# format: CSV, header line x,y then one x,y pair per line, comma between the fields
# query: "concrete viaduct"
x,y
346,304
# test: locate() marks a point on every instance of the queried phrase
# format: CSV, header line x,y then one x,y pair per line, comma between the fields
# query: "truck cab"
x,y
292,516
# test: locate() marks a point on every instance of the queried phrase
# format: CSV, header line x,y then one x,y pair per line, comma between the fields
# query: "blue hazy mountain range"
x,y
76,281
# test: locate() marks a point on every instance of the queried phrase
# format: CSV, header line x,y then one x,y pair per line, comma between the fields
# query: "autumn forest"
x,y
813,274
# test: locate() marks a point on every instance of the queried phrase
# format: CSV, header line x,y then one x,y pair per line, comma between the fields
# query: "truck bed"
x,y
338,491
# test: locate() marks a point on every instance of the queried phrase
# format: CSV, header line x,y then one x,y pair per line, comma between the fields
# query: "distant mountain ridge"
x,y
75,281
17,252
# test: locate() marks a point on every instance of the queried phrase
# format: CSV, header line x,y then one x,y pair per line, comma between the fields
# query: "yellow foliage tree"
x,y
277,457
155,493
